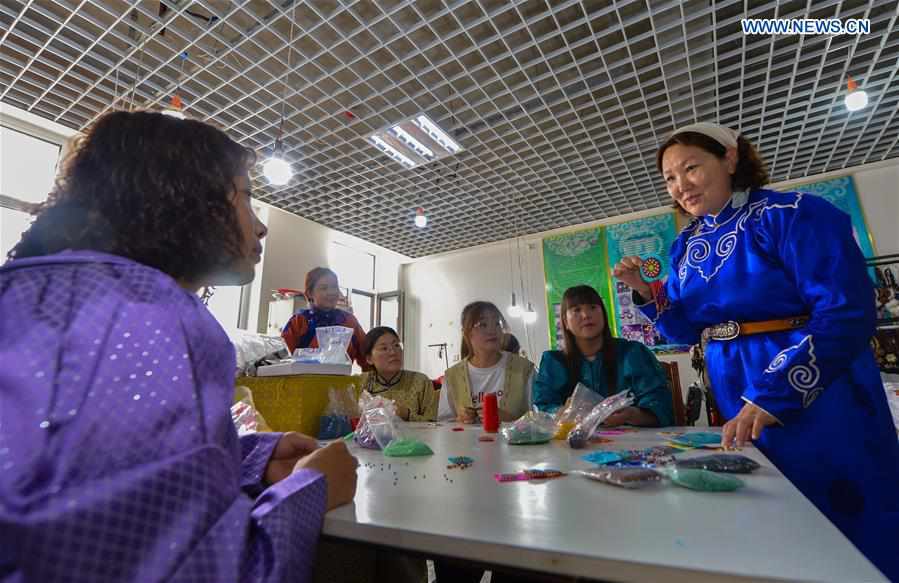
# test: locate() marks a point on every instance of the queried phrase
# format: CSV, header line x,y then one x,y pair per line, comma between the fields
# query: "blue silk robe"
x,y
772,255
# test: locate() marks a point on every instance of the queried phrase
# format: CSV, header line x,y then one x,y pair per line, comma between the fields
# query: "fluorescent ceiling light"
x,y
415,141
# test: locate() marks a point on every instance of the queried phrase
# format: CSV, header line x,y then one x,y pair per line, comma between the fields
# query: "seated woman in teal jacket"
x,y
604,364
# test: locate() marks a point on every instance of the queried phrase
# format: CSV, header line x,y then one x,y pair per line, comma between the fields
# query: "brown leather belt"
x,y
730,330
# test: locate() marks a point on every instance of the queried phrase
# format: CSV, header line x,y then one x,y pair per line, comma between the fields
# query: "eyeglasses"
x,y
385,348
485,326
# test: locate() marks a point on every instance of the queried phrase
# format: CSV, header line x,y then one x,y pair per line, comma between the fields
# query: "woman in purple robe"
x,y
118,457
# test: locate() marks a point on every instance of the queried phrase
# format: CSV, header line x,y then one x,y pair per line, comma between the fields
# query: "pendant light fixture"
x,y
529,316
856,98
277,169
176,106
421,219
514,310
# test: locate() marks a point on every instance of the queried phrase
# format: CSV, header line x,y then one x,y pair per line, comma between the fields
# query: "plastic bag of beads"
x,y
335,421
649,457
378,422
698,439
631,478
247,419
703,480
531,428
724,463
580,435
407,448
578,406
333,341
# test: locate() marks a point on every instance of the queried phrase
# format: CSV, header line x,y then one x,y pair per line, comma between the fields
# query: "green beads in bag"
x,y
703,480
407,448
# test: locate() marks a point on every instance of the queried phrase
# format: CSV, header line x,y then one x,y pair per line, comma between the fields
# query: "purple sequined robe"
x,y
118,457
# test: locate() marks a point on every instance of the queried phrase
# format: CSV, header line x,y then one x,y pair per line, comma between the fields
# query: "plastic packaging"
x,y
703,480
698,439
533,474
333,342
307,355
531,428
251,348
602,457
578,406
407,448
580,435
246,418
376,425
630,478
649,457
335,422
727,463
380,428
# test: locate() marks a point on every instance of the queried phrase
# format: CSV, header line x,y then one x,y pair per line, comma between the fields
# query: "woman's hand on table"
x,y
288,451
468,415
631,416
748,424
403,412
339,468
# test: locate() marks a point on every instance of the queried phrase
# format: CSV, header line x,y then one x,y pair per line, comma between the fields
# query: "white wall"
x,y
438,287
295,245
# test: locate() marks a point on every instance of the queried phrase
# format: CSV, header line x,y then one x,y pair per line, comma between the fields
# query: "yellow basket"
x,y
295,403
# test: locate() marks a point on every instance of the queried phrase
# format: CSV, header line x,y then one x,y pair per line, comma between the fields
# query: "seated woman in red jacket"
x,y
323,293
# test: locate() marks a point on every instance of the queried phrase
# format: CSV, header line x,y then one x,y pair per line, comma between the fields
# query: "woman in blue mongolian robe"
x,y
775,287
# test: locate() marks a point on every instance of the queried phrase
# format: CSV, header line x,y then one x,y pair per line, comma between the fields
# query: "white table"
x,y
766,531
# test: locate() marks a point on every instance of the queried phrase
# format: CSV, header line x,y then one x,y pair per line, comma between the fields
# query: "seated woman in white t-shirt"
x,y
485,368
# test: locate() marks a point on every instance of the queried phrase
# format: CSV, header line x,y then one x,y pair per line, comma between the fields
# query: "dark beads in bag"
x,y
723,463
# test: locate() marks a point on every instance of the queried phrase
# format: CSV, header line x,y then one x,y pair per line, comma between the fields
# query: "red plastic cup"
x,y
490,413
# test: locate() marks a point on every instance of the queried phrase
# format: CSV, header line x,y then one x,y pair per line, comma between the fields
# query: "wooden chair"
x,y
677,395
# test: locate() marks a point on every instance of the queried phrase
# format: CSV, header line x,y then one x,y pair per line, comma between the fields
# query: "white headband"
x,y
723,135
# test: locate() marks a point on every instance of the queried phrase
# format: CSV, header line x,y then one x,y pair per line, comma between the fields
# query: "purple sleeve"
x,y
298,499
119,458
256,449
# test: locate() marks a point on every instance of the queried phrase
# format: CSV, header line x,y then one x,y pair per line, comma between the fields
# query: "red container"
x,y
490,413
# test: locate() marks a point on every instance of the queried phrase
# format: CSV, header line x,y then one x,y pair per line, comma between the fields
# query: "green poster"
x,y
573,259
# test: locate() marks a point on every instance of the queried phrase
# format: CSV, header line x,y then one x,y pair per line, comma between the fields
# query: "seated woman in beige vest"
x,y
413,392
485,368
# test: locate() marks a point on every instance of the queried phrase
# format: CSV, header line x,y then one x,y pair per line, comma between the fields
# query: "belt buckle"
x,y
726,330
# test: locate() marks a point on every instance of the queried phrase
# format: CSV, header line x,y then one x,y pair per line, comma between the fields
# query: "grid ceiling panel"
x,y
559,105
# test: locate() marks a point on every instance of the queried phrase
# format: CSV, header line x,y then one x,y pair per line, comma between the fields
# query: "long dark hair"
x,y
576,296
749,174
471,315
149,187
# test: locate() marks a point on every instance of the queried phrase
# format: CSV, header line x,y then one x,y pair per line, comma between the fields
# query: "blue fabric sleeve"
x,y
830,274
549,383
643,375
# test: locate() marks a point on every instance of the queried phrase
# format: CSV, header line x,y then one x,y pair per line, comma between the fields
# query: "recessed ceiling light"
x,y
415,141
